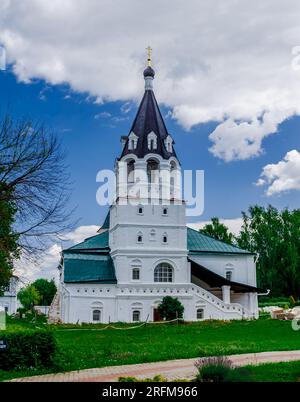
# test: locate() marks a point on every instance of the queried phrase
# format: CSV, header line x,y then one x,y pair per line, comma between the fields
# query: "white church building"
x,y
144,251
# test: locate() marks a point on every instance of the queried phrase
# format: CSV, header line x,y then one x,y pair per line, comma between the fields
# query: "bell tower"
x,y
147,220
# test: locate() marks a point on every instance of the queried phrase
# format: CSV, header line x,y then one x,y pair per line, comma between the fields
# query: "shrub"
x,y
170,308
28,349
213,369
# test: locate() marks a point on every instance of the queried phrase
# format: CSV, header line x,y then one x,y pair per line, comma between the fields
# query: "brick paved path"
x,y
171,369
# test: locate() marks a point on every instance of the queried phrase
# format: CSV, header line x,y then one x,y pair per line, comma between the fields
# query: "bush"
x,y
213,369
170,308
220,369
28,349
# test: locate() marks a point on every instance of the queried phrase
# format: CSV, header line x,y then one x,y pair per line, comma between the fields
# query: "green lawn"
x,y
92,348
275,372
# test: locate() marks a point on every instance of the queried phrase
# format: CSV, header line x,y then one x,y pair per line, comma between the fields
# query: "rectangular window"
x,y
229,275
136,274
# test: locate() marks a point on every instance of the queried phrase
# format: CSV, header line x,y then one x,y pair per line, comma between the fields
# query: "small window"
x,y
200,314
165,211
140,238
136,274
140,210
229,275
136,315
96,315
165,238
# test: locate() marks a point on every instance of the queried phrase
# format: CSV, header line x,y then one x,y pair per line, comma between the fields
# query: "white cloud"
x,y
282,176
104,115
234,225
46,267
215,61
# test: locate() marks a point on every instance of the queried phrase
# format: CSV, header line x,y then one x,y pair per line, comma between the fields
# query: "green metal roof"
x,y
201,243
106,221
89,268
100,241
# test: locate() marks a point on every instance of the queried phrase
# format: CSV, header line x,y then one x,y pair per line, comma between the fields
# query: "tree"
x,y
275,236
170,308
8,242
46,290
218,230
29,297
34,191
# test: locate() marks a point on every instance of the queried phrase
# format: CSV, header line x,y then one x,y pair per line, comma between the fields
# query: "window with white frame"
x,y
133,139
140,237
228,275
200,313
165,238
136,316
135,274
152,141
165,211
163,273
96,315
168,143
140,210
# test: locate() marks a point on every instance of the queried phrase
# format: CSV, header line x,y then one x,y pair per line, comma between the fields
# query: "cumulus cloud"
x,y
234,225
282,176
46,267
215,61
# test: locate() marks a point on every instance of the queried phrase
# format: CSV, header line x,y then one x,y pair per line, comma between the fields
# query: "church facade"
x,y
144,250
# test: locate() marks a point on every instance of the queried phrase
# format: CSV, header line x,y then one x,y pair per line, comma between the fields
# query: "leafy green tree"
x,y
29,297
275,236
170,308
218,230
46,290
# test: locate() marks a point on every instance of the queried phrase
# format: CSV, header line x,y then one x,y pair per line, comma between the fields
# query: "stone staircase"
x,y
235,310
54,310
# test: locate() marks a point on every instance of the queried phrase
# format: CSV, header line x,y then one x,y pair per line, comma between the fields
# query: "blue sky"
x,y
91,135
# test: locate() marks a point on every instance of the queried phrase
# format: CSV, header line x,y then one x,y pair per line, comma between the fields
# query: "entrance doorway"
x,y
156,315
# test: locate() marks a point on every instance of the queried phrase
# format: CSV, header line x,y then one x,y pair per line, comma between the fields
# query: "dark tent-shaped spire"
x,y
147,120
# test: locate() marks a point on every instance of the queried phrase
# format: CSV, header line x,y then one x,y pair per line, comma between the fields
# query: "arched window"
x,y
96,315
133,139
130,171
140,210
136,315
165,238
152,141
140,237
152,171
136,274
165,211
163,273
200,313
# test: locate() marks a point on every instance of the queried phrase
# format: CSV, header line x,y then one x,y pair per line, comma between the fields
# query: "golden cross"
x,y
149,50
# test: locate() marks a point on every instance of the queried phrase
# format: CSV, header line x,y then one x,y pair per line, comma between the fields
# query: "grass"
x,y
275,372
89,348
